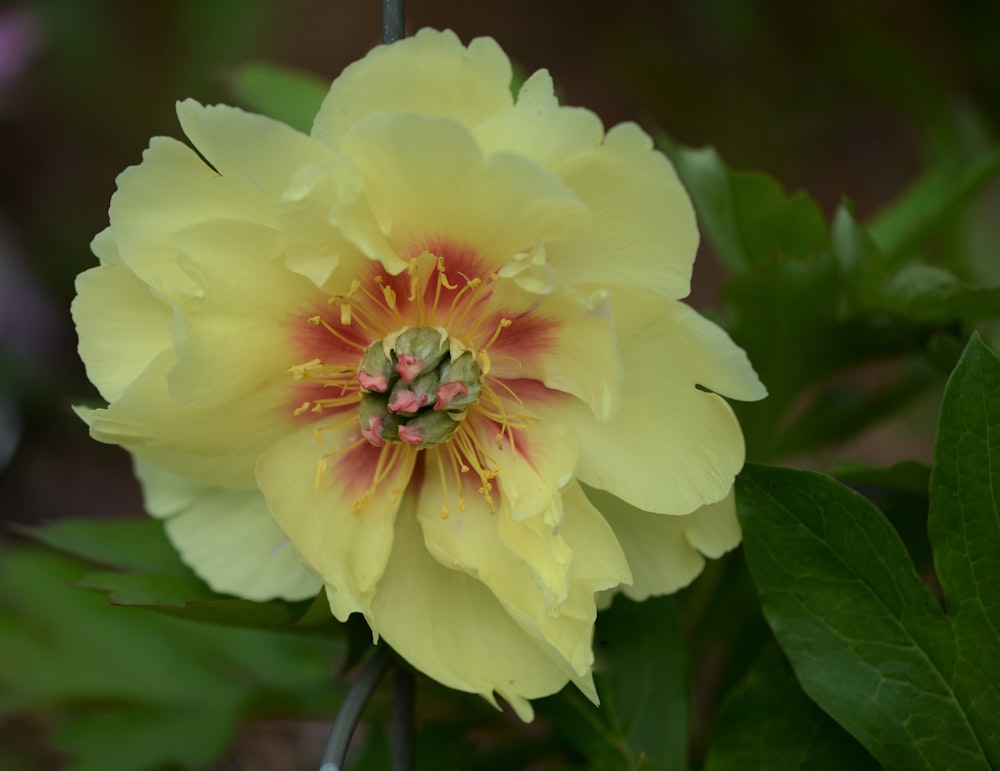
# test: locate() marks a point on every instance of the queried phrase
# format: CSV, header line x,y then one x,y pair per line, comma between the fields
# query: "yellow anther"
x,y
315,320
461,503
390,296
345,314
355,286
301,408
444,512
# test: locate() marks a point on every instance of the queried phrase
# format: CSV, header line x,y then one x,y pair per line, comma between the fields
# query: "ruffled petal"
x,y
258,154
171,189
328,229
449,626
430,73
227,537
341,520
538,128
122,325
671,447
216,446
644,231
426,177
232,332
663,551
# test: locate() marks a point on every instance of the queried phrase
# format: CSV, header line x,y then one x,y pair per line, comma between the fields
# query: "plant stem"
x,y
354,704
393,20
401,730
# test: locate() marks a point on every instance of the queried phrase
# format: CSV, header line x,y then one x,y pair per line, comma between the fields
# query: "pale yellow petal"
x,y
430,73
468,540
672,447
570,345
234,330
171,189
227,537
644,231
426,178
342,527
328,230
539,128
666,552
449,626
122,326
217,446
256,153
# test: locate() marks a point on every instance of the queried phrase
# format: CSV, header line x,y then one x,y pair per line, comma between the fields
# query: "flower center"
x,y
416,386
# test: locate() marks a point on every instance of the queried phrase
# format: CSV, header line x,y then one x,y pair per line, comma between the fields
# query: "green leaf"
x,y
769,723
867,640
839,411
288,95
907,226
127,544
111,679
746,216
157,579
143,738
861,264
641,680
965,509
930,295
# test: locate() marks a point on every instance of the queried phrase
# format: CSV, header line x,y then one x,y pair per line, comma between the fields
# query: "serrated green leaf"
x,y
746,215
965,510
865,637
906,227
642,682
930,295
769,723
288,95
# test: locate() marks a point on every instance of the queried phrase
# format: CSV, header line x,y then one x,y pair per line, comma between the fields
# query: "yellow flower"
x,y
409,340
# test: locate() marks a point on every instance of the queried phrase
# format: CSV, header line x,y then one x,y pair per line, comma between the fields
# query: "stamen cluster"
x,y
416,386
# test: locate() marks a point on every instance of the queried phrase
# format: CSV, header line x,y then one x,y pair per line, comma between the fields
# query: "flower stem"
x,y
350,711
401,731
393,20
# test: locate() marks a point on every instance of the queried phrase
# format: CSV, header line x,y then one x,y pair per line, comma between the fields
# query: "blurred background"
x,y
848,99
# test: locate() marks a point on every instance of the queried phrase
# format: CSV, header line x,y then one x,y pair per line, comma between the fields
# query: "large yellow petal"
x,y
233,331
171,189
449,626
227,537
663,551
122,325
671,447
430,73
570,344
258,154
217,446
426,178
644,231
472,539
342,529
